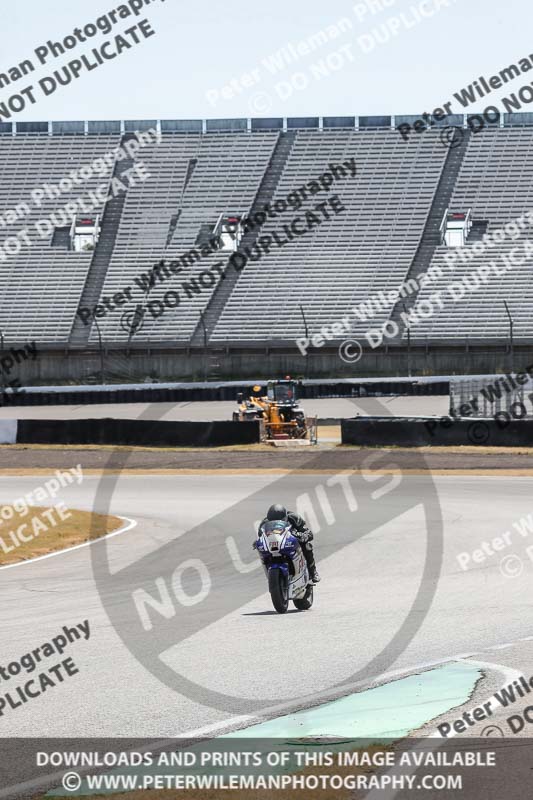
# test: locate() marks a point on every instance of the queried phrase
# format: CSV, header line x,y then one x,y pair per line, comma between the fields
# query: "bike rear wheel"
x,y
278,585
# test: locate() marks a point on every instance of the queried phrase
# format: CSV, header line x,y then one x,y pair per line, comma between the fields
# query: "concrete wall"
x,y
52,367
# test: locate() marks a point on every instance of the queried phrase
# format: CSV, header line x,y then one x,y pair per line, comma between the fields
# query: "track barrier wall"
x,y
141,433
427,431
90,395
172,365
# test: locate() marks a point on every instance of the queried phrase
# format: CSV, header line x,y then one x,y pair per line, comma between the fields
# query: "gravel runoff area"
x,y
13,458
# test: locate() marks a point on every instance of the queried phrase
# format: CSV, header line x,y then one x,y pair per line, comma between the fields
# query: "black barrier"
x,y
183,394
424,431
142,433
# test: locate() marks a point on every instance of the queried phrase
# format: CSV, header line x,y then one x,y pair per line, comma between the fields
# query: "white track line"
x,y
131,523
333,694
509,674
328,695
434,740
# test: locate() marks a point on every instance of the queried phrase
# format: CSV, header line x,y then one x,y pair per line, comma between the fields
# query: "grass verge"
x,y
34,531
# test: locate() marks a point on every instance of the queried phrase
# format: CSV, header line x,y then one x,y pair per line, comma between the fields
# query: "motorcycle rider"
x,y
301,532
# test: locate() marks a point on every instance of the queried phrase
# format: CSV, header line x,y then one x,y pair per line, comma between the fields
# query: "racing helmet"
x,y
276,512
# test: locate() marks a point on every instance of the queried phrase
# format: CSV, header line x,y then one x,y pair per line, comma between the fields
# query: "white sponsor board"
x,y
8,431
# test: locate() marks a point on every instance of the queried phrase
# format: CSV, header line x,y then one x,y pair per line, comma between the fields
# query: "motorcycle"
x,y
285,566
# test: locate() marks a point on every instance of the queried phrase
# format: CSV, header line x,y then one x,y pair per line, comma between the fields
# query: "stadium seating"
x,y
496,182
199,172
223,178
40,287
360,252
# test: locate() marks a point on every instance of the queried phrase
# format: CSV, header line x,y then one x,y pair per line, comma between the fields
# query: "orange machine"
x,y
279,410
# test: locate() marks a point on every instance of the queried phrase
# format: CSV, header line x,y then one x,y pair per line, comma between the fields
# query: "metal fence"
x,y
489,396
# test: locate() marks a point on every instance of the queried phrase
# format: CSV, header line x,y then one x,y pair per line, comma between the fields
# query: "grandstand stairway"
x,y
214,364
431,237
102,253
175,217
265,195
172,227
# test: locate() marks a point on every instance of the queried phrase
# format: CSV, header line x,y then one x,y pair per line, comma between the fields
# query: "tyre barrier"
x,y
142,433
88,395
443,431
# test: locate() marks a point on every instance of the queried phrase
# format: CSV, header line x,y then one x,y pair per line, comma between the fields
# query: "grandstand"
x,y
390,231
41,286
496,182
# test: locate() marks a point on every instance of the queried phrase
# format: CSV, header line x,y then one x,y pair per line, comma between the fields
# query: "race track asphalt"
x,y
388,601
335,408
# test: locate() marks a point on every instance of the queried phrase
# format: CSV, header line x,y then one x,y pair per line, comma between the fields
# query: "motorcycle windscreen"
x,y
274,532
